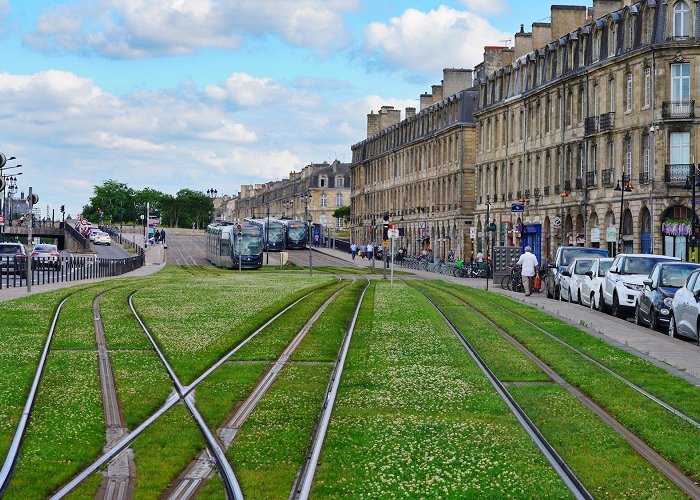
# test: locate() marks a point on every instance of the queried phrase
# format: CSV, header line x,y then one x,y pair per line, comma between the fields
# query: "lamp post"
x,y
625,188
287,204
488,238
267,234
691,183
305,198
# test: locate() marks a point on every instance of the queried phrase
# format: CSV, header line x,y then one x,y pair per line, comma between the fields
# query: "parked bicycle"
x,y
513,281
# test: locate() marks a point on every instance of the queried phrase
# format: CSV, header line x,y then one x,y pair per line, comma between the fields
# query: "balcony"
x,y
678,110
510,196
579,183
536,193
590,125
520,195
676,173
567,186
645,178
557,189
546,190
606,177
591,180
607,121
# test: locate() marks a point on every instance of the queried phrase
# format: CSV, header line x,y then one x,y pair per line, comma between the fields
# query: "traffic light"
x,y
63,209
385,232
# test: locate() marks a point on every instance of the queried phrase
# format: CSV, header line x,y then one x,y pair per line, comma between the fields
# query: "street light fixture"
x,y
288,204
211,193
692,183
305,198
626,189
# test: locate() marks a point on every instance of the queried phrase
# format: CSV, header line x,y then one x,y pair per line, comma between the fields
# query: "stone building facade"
x,y
326,184
590,122
419,171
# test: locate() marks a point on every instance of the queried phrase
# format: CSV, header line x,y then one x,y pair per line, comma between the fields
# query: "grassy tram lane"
x,y
270,448
601,458
415,417
669,435
197,320
67,429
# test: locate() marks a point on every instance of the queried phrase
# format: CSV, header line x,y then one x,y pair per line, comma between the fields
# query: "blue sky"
x,y
212,93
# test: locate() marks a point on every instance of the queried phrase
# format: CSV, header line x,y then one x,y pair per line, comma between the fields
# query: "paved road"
x,y
112,251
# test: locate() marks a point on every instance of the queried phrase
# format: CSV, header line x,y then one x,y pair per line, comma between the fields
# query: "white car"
x,y
592,287
685,308
102,238
572,279
624,281
92,233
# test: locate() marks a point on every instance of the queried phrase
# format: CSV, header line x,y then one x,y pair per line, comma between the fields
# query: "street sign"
x,y
469,221
385,244
472,233
507,218
421,224
517,207
393,233
556,222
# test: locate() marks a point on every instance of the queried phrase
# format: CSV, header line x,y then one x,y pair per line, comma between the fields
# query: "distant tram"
x,y
224,248
297,234
275,232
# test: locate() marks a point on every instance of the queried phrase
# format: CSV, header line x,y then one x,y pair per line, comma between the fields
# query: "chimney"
x,y
437,93
425,100
388,116
523,42
410,113
372,124
496,57
603,7
541,35
567,18
455,80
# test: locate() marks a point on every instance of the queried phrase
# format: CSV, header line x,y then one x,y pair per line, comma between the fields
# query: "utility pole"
x,y
30,200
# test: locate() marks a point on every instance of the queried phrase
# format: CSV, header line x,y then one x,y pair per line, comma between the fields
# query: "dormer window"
x,y
612,39
323,181
339,181
681,20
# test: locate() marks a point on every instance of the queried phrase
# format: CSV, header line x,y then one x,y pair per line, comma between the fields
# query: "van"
x,y
566,255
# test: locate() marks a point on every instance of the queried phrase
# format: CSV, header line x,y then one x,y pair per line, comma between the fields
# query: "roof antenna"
x,y
506,41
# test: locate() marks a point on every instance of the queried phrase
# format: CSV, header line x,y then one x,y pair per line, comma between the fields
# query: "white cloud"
x,y
487,7
144,28
430,41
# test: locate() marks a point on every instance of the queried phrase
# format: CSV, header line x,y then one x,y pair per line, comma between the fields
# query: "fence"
x,y
127,243
64,269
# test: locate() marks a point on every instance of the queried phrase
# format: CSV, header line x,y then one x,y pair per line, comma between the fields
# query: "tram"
x,y
297,233
224,248
273,233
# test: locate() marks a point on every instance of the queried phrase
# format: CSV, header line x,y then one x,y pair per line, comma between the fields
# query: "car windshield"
x,y
9,248
583,266
604,267
569,255
675,276
639,265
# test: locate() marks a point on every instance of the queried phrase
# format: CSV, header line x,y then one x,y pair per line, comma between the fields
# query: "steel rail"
x,y
687,485
597,363
302,485
11,458
571,480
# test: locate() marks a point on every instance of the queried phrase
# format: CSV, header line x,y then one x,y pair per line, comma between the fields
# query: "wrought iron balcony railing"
x,y
591,180
677,173
579,183
678,110
606,177
607,121
590,125
645,178
546,190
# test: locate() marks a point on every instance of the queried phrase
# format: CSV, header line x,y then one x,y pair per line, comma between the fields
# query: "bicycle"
x,y
513,281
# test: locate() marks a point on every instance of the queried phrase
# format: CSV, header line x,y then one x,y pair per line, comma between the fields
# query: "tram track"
x,y
670,470
194,475
12,454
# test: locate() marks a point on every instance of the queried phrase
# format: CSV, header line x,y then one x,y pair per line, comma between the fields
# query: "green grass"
x,y
164,449
87,489
122,331
416,417
66,431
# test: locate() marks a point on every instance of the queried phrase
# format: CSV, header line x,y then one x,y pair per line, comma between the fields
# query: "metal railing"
x,y
546,190
644,178
591,179
607,121
674,110
590,125
606,177
579,183
676,173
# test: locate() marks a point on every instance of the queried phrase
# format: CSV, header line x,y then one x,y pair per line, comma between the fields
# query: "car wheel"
x,y
637,319
616,309
592,303
557,293
653,320
578,300
672,329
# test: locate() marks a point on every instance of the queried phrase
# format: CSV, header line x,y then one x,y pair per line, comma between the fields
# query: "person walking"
x,y
353,250
162,236
479,257
370,251
528,269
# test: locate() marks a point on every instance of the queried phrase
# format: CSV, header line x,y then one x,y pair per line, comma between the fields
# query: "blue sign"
x,y
517,207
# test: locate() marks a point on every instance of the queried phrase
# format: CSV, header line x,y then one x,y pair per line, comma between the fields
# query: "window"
x,y
323,200
680,148
612,95
650,25
647,87
628,93
612,38
594,158
645,157
681,20
628,157
339,200
339,181
611,155
630,32
323,181
596,45
596,100
680,82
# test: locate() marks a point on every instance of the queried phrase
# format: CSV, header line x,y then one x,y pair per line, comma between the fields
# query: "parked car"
x,y
13,258
45,255
92,233
624,281
685,309
654,304
592,288
550,280
102,238
572,279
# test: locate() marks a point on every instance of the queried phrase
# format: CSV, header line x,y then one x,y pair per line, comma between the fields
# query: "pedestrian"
x,y
162,235
479,257
370,251
363,250
529,267
353,250
450,256
316,239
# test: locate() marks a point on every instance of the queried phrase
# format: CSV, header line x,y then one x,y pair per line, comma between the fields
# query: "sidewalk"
x,y
680,357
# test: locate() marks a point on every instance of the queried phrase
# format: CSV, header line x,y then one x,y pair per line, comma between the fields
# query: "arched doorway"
x,y
627,232
611,234
595,230
676,226
645,232
580,235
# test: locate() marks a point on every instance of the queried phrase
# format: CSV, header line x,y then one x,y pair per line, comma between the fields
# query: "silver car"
x,y
13,258
685,308
592,288
45,255
572,279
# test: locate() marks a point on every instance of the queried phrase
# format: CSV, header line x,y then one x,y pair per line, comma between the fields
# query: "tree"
x,y
343,213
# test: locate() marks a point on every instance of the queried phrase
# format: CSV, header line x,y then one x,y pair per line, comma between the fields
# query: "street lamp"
x,y
211,193
305,198
691,183
627,188
288,204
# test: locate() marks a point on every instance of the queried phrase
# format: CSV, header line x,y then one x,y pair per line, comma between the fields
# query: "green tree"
x,y
343,213
110,202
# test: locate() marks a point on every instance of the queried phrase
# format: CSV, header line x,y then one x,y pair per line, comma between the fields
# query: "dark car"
x,y
13,258
565,256
654,304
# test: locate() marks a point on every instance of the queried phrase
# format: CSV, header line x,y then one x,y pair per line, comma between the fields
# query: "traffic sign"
x,y
472,232
421,224
517,207
556,222
393,233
